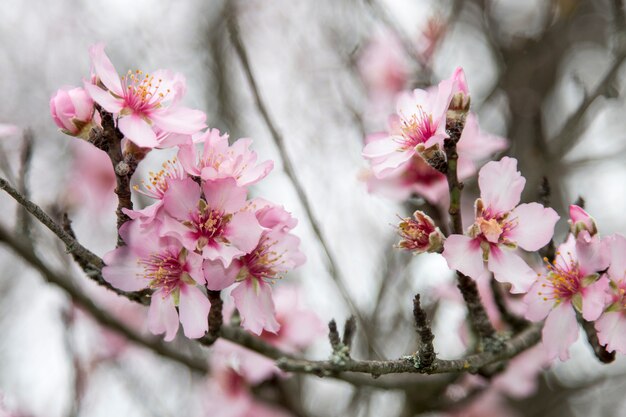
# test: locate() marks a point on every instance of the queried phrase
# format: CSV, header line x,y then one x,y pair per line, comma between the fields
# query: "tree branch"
x,y
471,363
279,141
80,298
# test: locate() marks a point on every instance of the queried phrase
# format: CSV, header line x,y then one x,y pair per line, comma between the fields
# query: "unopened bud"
x,y
72,110
434,156
580,220
420,234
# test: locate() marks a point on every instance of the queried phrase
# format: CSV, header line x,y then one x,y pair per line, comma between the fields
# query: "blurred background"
x,y
546,74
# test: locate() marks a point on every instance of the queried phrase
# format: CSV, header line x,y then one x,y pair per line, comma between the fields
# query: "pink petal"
x,y
105,69
560,331
122,270
595,298
217,277
222,252
244,231
535,226
617,245
593,253
188,159
193,263
224,194
507,266
380,148
255,174
194,311
501,184
253,299
465,255
104,98
538,301
611,329
138,131
181,198
179,120
162,316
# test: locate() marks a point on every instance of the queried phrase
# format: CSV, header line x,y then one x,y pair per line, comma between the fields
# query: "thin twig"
x,y
80,298
471,363
23,219
71,245
426,351
564,140
332,264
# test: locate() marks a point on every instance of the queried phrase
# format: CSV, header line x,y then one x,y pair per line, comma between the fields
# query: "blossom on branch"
x,y
72,110
501,226
165,266
611,325
147,104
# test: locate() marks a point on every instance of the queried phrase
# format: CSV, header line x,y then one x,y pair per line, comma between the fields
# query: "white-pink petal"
x,y
123,271
162,316
217,276
538,301
508,267
193,308
138,131
253,299
104,98
179,120
105,70
611,329
181,198
595,298
534,226
465,255
224,194
501,185
243,231
560,331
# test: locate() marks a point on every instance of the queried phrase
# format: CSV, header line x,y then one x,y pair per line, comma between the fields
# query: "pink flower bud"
x,y
420,235
460,92
72,110
580,220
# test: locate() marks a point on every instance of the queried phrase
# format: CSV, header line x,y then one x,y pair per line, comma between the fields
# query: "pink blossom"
x,y
164,265
143,102
272,216
572,280
219,160
383,65
501,225
155,188
420,235
92,179
228,395
418,177
421,124
275,254
218,226
72,110
580,220
611,326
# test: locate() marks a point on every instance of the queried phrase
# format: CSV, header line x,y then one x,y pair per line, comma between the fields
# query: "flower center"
x,y
164,270
264,261
416,129
208,225
143,92
564,278
157,183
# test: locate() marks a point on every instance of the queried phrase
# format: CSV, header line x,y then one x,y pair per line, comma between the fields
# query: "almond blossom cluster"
x,y
202,231
586,280
399,158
